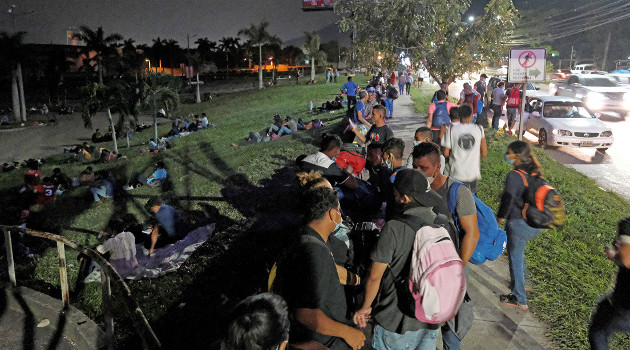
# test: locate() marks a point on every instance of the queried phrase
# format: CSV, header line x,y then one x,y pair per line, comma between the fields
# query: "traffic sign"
x,y
526,64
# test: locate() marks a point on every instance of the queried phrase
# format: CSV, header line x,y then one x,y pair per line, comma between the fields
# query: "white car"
x,y
503,70
564,121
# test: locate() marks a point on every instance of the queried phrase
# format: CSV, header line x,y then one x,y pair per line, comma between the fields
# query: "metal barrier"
x,y
108,273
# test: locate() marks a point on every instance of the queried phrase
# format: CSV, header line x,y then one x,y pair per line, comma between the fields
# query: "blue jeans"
x,y
401,87
96,192
518,233
284,129
423,339
606,320
449,339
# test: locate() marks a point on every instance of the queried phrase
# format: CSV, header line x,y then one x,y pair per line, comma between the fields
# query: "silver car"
x,y
565,121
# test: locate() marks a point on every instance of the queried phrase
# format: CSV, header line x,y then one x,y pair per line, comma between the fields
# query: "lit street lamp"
x,y
149,62
471,19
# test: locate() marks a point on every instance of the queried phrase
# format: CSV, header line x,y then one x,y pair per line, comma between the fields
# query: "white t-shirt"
x,y
464,141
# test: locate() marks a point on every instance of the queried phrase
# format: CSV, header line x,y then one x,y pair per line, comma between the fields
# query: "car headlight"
x,y
607,133
595,100
561,132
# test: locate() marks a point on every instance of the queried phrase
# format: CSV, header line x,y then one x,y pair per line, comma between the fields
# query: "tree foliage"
x,y
96,41
257,36
433,32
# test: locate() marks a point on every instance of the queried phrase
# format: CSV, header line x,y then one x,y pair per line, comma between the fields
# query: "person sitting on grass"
x,y
278,127
121,245
45,192
203,122
168,226
155,147
32,177
159,175
103,186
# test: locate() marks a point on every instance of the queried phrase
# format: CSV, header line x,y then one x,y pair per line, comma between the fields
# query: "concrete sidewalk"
x,y
496,325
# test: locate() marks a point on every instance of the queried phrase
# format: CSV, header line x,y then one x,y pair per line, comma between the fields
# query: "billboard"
x,y
317,5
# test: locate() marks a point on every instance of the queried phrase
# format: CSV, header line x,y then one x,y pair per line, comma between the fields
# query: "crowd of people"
x,y
330,291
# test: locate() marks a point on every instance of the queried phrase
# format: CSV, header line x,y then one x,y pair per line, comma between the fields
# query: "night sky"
x,y
144,20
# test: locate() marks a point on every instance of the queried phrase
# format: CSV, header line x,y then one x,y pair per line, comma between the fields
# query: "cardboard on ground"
x,y
528,63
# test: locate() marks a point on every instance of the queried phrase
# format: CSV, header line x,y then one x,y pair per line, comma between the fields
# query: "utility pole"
x,y
606,50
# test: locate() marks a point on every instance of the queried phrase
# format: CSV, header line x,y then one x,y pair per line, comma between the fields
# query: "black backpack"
x,y
392,93
543,207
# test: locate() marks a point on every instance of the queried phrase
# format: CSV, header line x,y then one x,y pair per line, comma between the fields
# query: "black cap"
x,y
483,75
414,183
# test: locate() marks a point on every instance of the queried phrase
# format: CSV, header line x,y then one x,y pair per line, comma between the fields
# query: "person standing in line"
x,y
408,82
521,157
498,100
612,314
401,83
464,146
350,89
513,106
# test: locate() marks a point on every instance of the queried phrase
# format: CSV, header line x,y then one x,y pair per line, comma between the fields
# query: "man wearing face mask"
x,y
424,134
426,158
393,151
309,281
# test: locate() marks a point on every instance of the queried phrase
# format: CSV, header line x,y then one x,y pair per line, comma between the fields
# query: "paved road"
x,y
610,170
42,141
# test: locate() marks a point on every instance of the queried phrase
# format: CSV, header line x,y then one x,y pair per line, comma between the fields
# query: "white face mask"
x,y
389,163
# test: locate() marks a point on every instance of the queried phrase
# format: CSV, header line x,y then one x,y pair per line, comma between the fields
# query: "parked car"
x,y
560,121
623,79
532,90
600,93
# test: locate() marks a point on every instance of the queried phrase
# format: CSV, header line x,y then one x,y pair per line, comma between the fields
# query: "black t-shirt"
x,y
379,134
621,295
308,279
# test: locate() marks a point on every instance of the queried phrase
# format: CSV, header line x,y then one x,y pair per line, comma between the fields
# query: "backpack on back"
x,y
440,115
436,281
514,98
492,240
392,92
543,206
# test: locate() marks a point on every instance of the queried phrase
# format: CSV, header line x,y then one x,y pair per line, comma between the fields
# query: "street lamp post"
x,y
149,62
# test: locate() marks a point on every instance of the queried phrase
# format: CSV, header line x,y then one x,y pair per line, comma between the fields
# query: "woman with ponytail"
x,y
521,157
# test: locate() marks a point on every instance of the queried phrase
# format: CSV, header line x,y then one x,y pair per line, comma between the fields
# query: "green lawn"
x,y
233,186
567,266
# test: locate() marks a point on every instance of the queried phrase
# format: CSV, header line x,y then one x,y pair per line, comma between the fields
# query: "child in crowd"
x,y
122,248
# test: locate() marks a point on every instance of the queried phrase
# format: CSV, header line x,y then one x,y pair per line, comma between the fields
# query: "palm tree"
x,y
12,52
156,88
132,61
158,50
173,52
96,41
206,48
228,46
310,48
258,36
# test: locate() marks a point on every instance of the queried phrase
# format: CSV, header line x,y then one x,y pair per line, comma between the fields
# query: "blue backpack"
x,y
492,240
440,116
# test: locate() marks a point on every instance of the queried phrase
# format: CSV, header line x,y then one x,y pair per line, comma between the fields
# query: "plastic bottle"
x,y
311,108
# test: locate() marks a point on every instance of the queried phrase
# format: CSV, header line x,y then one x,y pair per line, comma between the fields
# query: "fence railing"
x,y
108,274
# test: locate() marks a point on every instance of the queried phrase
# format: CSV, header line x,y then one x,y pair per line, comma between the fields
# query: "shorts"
x,y
513,115
421,79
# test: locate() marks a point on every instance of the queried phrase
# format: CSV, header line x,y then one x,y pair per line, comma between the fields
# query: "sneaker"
x,y
510,299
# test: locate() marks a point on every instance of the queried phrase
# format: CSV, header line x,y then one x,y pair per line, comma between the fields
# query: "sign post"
x,y
525,66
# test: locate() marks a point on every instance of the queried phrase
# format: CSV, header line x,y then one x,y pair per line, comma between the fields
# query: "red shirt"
x,y
32,177
46,193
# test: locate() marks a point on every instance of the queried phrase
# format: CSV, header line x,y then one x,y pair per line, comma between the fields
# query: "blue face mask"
x,y
507,159
415,143
338,226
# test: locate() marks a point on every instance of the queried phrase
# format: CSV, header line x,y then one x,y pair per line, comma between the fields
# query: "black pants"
x,y
407,87
352,100
496,116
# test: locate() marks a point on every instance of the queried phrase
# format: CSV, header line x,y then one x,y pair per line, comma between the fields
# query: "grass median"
x,y
567,266
209,176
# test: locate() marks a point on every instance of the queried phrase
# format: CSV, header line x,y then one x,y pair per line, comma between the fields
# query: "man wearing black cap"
x,y
413,193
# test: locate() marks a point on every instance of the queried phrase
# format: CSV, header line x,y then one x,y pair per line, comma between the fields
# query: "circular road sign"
x,y
527,59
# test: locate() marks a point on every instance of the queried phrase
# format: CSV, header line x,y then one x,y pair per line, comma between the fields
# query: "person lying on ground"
x,y
278,127
168,226
121,245
291,124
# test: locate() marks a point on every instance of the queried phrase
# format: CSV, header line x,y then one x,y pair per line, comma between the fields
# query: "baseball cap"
x,y
414,183
483,75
